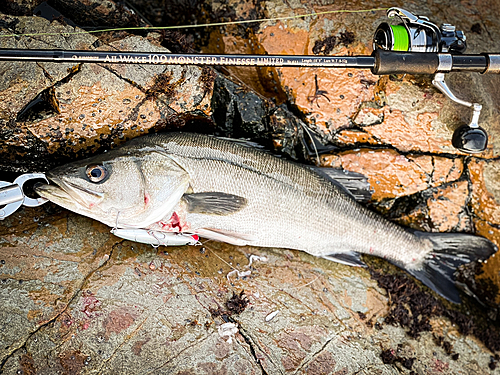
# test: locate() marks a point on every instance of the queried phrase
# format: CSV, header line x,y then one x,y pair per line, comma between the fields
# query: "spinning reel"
x,y
417,34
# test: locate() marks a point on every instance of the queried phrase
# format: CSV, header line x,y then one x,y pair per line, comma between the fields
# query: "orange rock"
x,y
353,137
444,211
393,175
369,116
263,80
446,208
336,98
405,136
485,195
485,203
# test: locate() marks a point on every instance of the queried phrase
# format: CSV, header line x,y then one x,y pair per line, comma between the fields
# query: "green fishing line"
x,y
401,39
153,28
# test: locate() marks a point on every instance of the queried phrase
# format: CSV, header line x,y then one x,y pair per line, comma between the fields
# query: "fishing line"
x,y
415,46
255,282
214,24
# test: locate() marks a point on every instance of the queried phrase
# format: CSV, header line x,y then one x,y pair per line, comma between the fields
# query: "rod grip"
x,y
395,62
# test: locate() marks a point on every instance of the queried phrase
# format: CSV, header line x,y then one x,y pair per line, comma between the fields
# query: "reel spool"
x,y
417,34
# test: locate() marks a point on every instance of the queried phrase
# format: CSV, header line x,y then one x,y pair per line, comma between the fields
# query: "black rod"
x,y
381,61
361,62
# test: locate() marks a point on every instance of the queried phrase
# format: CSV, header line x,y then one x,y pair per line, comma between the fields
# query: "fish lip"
x,y
74,191
52,192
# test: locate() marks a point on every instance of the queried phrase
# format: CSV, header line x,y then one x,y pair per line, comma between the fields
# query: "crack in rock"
x,y
313,356
251,344
118,347
54,318
155,370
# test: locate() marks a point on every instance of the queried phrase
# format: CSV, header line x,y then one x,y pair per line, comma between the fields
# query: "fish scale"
x,y
157,185
288,206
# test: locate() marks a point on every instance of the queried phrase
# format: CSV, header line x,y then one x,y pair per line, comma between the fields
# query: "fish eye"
x,y
96,173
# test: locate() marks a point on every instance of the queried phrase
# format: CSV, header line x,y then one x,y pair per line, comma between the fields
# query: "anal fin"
x,y
350,258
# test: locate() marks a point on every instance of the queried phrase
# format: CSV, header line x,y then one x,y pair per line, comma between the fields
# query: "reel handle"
x,y
467,138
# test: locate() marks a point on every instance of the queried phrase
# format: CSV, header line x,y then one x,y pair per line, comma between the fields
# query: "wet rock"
x,y
19,7
98,13
51,111
241,113
86,301
485,200
408,113
443,209
54,111
447,208
391,174
77,299
238,112
150,10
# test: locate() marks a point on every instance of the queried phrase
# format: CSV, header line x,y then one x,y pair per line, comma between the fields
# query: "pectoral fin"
x,y
350,258
214,203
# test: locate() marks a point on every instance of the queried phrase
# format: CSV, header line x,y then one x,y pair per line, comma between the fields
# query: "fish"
x,y
188,183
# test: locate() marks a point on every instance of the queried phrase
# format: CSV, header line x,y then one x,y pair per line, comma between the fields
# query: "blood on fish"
x,y
174,224
147,199
175,221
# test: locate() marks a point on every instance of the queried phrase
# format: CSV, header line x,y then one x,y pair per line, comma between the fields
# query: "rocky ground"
x,y
75,299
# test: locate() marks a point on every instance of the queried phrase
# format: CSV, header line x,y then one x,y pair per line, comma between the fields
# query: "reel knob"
x,y
470,139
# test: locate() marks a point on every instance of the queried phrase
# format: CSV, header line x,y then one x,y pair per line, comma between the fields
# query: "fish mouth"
x,y
66,192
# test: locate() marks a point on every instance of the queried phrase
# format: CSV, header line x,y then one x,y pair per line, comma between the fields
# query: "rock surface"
x,y
75,299
51,111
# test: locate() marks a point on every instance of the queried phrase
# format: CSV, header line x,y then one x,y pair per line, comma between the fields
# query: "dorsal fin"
x,y
354,184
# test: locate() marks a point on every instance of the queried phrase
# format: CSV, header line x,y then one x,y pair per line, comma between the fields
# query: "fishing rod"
x,y
412,46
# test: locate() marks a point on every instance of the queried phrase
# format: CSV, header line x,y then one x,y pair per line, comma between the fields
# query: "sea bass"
x,y
221,190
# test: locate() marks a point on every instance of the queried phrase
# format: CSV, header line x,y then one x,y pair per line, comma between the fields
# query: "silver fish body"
x,y
218,189
287,205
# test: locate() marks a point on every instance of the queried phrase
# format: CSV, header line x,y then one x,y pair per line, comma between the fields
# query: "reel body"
x,y
417,34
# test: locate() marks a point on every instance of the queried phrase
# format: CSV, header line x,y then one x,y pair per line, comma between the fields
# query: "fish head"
x,y
120,188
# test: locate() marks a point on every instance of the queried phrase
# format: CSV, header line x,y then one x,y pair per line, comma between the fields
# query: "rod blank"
x,y
362,62
381,61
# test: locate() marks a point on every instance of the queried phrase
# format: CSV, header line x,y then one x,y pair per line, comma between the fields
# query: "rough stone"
x,y
76,299
19,7
50,111
485,200
415,115
111,312
391,174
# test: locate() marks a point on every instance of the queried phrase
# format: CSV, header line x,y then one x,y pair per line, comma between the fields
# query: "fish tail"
x,y
450,250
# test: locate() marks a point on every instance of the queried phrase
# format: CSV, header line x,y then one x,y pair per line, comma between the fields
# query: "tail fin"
x,y
451,250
